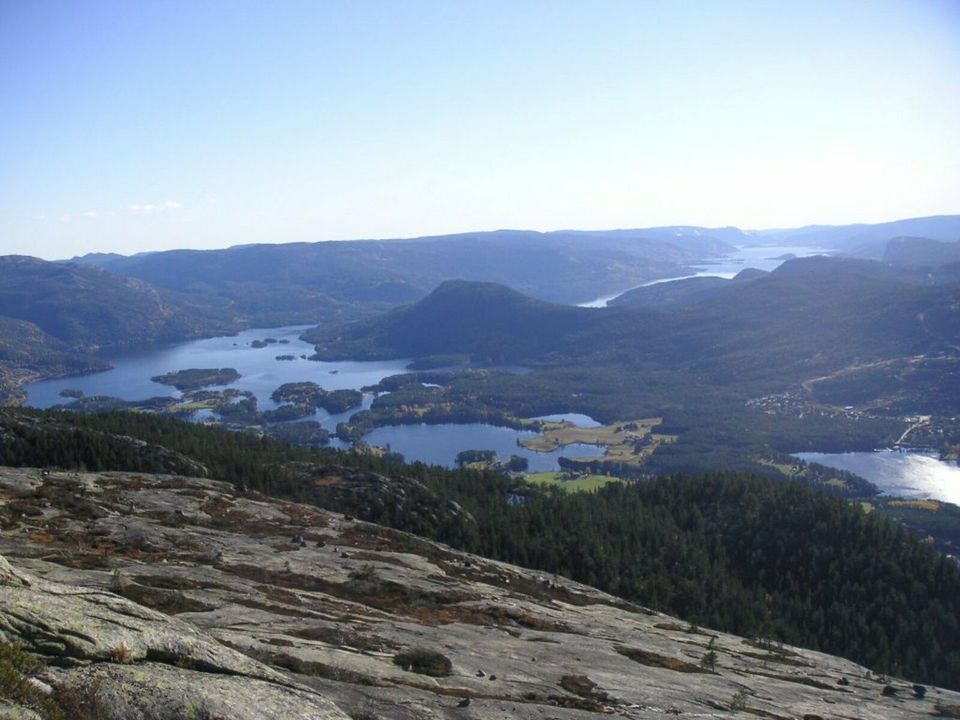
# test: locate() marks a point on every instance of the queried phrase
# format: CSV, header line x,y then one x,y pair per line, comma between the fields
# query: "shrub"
x,y
424,662
709,661
121,654
16,667
739,701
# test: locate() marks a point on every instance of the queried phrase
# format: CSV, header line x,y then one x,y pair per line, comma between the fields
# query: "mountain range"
x,y
808,316
62,317
334,281
251,577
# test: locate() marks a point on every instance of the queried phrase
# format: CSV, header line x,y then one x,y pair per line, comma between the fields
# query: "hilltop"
x,y
482,320
237,605
752,556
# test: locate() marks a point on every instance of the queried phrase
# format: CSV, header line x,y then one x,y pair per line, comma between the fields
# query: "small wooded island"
x,y
196,378
312,395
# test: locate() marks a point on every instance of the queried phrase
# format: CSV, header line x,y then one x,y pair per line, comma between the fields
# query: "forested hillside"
x,y
751,555
809,316
679,293
88,309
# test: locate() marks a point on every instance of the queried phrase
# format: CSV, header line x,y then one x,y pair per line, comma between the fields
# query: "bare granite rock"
x,y
11,711
162,591
155,691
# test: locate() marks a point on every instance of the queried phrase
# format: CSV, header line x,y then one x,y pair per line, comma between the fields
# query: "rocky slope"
x,y
160,596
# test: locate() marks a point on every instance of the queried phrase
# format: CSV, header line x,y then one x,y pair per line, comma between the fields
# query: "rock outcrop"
x,y
162,597
374,497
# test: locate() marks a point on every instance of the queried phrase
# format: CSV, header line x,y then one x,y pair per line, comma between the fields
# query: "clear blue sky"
x,y
129,126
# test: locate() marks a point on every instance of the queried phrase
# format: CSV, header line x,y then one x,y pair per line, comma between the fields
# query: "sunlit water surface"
x,y
902,473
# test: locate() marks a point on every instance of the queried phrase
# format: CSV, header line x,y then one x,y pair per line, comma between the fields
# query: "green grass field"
x,y
563,480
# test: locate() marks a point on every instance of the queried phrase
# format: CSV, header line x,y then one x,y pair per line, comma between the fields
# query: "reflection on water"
x,y
439,444
901,473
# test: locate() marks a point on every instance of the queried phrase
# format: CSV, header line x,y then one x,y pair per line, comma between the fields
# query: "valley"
x,y
479,361
588,361
479,399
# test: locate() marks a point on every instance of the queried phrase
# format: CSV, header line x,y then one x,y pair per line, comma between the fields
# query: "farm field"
x,y
571,482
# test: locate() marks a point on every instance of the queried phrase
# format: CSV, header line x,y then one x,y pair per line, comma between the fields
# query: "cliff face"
x,y
159,596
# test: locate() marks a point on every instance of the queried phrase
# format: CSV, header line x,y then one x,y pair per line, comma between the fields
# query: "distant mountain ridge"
x,y
862,238
921,252
106,301
809,313
346,280
328,282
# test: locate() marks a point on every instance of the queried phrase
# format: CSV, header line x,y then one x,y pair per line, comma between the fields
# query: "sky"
x,y
133,126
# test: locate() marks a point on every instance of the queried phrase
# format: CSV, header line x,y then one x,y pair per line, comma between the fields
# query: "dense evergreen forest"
x,y
764,558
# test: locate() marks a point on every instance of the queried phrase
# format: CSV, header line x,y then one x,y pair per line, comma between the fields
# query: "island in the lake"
x,y
311,395
196,378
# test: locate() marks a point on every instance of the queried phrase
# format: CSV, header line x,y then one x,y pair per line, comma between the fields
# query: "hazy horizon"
x,y
131,128
761,240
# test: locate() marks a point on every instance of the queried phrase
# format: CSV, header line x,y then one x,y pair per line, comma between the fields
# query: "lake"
x,y
261,373
439,444
761,257
903,473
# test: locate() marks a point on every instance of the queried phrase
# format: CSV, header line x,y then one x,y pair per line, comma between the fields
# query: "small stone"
x,y
40,686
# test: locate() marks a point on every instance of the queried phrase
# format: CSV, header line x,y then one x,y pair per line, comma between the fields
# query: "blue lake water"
x,y
903,473
439,444
260,371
